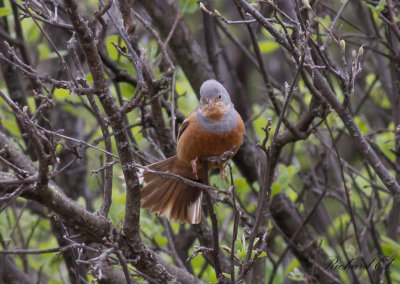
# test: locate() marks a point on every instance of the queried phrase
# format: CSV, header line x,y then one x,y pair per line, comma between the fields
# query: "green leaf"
x,y
285,178
11,125
5,233
361,124
111,50
390,247
339,223
81,201
31,31
292,265
262,254
61,93
127,90
162,241
226,275
89,78
380,6
72,110
268,46
276,188
242,254
188,6
292,170
44,51
4,11
296,275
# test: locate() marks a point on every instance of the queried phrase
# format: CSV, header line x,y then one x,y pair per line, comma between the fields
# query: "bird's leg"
x,y
194,167
222,172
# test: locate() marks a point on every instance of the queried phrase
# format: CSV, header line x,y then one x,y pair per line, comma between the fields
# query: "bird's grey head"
x,y
213,91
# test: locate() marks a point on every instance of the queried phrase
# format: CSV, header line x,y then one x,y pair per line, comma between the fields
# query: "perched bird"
x,y
213,128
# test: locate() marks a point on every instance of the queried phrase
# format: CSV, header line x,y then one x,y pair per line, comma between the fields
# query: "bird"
x,y
211,129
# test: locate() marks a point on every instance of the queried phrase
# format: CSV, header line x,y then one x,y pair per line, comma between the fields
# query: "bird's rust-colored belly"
x,y
195,142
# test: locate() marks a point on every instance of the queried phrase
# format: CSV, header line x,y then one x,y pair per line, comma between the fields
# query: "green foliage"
x,y
286,174
267,43
187,98
296,275
339,224
391,250
127,90
381,5
268,46
188,6
361,124
390,247
111,49
61,93
292,265
4,231
279,278
294,167
31,31
4,11
386,141
11,125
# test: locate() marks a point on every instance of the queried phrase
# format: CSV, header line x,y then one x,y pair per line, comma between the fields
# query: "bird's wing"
x,y
185,124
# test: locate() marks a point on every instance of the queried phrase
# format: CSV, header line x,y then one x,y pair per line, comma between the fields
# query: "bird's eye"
x,y
220,96
204,100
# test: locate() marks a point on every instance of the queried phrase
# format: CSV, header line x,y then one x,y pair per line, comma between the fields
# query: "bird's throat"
x,y
215,113
218,121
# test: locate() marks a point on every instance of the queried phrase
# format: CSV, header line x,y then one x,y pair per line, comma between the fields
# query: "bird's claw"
x,y
222,172
194,167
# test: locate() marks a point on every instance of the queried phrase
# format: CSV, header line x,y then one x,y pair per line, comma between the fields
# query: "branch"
x,y
88,45
345,115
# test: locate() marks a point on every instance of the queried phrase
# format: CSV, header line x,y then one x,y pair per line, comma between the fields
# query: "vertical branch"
x,y
214,222
236,217
393,218
107,190
153,87
87,42
350,206
210,37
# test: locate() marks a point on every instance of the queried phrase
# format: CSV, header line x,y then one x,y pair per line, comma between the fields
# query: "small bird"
x,y
213,128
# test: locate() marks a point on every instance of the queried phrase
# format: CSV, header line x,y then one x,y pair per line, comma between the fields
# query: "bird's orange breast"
x,y
215,113
196,142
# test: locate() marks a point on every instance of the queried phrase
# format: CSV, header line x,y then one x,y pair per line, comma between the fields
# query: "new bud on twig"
x,y
202,7
25,109
361,51
306,4
216,12
354,54
343,44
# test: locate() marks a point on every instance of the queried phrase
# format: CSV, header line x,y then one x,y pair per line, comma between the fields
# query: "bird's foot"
x,y
222,172
194,167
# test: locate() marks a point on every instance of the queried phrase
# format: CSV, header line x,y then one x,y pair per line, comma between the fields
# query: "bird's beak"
x,y
211,103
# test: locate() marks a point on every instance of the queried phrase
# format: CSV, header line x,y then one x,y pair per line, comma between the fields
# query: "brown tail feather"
x,y
175,210
161,205
163,166
148,189
157,192
182,202
194,211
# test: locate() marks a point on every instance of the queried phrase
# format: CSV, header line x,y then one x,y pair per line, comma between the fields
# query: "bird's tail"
x,y
162,195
